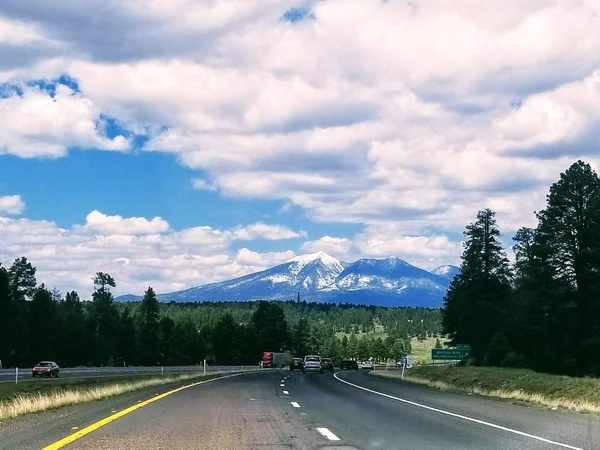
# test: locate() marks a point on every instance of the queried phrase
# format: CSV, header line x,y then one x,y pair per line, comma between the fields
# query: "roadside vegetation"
x,y
521,385
27,398
542,312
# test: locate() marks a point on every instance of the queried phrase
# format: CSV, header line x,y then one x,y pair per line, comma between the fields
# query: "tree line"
x,y
542,311
38,323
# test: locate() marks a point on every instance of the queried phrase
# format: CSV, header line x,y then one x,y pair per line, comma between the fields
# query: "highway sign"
x,y
449,353
463,346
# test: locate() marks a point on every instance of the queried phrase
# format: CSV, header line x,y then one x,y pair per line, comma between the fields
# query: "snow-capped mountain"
x,y
320,277
447,271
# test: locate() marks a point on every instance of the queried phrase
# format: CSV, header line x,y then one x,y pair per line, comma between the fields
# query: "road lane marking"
x,y
286,392
93,427
328,434
295,404
460,416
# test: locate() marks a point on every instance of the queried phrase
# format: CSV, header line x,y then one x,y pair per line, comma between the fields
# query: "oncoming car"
x,y
327,364
45,369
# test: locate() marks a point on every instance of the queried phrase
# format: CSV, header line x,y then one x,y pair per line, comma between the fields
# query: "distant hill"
x,y
447,271
320,277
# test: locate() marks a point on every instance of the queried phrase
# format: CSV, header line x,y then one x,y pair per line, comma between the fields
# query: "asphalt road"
x,y
309,411
9,375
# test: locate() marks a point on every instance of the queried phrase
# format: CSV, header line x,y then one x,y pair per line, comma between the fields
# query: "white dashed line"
x,y
328,434
459,416
286,393
295,404
282,385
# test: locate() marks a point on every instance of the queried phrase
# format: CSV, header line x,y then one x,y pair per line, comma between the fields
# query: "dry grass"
x,y
553,391
22,404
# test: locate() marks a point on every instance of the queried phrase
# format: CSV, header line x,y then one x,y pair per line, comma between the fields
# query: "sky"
x,y
178,143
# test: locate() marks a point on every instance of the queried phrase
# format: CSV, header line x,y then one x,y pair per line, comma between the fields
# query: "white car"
x,y
312,363
368,365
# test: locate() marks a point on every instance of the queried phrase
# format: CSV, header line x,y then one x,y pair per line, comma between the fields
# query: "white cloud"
x,y
98,222
138,252
250,258
14,32
203,185
12,204
36,124
264,231
363,115
426,252
338,247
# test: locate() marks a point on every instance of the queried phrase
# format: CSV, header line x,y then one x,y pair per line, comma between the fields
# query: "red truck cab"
x,y
267,359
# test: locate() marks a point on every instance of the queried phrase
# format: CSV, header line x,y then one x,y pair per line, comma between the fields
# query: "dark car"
x,y
327,364
348,364
297,363
45,369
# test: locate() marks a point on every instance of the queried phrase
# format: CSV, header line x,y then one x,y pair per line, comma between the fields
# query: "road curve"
x,y
277,409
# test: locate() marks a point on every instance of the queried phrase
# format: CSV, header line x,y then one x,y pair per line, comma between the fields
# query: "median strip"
x,y
78,391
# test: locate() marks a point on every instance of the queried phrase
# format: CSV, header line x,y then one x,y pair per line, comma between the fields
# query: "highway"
x,y
278,409
9,375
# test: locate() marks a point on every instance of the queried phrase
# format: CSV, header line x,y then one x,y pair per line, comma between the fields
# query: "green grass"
x,y
35,397
421,351
554,391
9,391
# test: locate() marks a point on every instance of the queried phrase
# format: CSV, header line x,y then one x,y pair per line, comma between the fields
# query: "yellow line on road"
x,y
93,427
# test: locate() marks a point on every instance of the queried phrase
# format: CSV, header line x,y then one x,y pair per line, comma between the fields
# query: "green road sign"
x,y
463,346
449,353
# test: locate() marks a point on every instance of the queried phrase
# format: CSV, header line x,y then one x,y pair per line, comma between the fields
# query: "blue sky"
x,y
176,144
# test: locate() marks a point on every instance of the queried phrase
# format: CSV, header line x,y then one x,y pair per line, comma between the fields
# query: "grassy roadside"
x,y
35,397
554,391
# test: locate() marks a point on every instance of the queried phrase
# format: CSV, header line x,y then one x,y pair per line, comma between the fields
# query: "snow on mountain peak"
x,y
447,271
326,259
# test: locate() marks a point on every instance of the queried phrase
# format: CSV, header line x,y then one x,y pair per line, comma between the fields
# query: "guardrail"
x,y
8,375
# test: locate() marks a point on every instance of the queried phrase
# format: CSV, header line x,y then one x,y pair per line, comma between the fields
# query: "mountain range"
x,y
320,277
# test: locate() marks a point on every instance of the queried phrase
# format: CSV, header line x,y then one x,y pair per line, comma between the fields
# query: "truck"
x,y
273,359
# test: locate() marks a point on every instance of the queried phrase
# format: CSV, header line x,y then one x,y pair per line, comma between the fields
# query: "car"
x,y
312,363
367,365
297,363
327,364
45,369
347,364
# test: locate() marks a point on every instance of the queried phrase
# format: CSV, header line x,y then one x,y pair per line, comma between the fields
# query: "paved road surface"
x,y
309,411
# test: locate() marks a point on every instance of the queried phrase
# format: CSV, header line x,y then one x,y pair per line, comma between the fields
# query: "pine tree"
x,y
8,322
75,340
478,296
126,340
568,235
270,328
105,318
353,346
301,337
149,328
226,341
44,326
22,279
364,348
